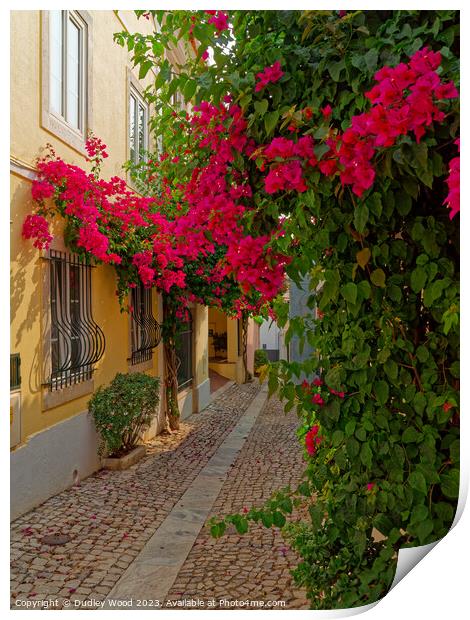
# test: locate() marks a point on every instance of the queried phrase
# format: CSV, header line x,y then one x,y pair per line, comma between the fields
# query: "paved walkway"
x,y
113,517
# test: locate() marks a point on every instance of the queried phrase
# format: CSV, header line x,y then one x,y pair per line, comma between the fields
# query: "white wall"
x,y
269,335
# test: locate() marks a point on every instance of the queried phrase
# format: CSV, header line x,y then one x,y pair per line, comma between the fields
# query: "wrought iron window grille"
x,y
77,342
184,353
145,329
15,371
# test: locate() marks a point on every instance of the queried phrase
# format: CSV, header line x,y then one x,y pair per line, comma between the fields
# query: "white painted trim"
x,y
202,396
23,169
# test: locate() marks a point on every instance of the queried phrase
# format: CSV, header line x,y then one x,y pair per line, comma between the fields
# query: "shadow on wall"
x,y
25,281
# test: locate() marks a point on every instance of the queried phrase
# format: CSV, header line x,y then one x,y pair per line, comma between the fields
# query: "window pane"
x,y
132,136
56,43
141,132
73,74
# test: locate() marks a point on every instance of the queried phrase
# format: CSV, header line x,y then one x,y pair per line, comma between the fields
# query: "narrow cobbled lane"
x,y
111,515
110,518
251,571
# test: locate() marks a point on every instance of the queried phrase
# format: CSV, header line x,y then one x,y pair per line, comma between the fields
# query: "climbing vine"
x,y
353,120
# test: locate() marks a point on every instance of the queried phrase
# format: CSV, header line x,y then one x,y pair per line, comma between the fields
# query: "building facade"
x,y
68,336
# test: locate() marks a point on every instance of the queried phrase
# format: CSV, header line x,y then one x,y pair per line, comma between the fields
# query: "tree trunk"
x,y
244,326
172,413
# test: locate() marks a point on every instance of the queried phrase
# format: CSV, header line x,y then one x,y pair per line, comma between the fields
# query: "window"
x,y
184,353
67,67
145,331
138,127
15,371
76,340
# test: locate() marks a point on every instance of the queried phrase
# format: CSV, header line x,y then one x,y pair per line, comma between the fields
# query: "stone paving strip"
x,y
111,515
153,572
250,571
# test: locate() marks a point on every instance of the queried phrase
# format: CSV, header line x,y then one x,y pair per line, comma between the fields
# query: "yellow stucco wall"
x,y
109,121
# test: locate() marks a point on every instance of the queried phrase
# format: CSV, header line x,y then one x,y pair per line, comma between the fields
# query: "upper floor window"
x,y
67,64
76,340
145,331
138,127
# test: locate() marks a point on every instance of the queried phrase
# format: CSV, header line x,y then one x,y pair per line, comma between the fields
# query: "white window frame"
x,y
53,120
135,94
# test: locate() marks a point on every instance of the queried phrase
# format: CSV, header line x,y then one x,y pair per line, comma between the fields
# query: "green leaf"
x,y
377,277
361,217
371,58
279,519
337,437
316,515
410,435
349,292
145,67
218,529
333,378
419,514
261,107
189,89
418,279
266,519
381,392
352,447
241,525
335,68
270,121
418,482
424,529
350,426
450,483
366,455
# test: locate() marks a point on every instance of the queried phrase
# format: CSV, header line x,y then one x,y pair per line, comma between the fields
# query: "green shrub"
x,y
261,359
123,410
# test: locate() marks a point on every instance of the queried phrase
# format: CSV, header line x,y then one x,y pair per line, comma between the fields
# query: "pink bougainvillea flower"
x,y
269,74
219,19
287,176
318,400
370,486
317,381
326,111
36,227
340,394
312,439
308,113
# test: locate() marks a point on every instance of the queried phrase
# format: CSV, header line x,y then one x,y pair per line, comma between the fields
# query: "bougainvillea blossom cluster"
x,y
219,19
313,439
268,75
148,241
405,99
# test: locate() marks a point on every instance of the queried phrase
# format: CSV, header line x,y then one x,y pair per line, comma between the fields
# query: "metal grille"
x,y
145,330
76,340
15,376
184,352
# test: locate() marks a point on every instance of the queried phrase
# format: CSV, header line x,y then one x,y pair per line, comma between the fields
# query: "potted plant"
x,y
261,359
122,412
